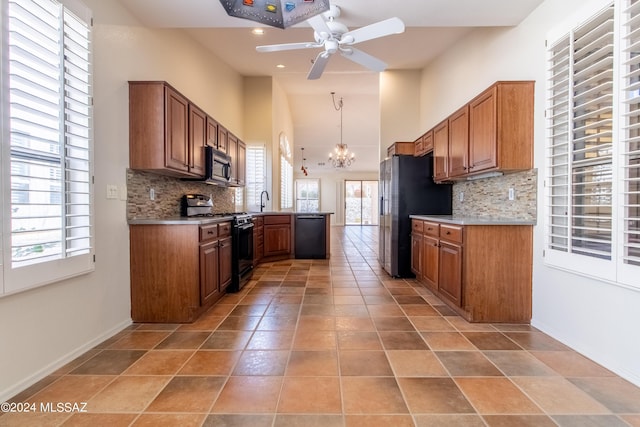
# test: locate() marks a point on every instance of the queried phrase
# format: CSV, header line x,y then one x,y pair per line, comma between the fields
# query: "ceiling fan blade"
x,y
364,59
318,66
319,25
287,46
373,31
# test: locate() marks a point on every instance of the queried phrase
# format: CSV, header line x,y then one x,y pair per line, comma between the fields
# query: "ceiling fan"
x,y
334,37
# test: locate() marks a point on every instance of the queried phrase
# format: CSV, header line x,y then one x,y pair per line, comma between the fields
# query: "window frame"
x,y
306,181
613,270
261,184
66,265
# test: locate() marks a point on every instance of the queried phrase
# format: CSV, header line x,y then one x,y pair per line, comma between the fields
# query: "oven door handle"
x,y
245,226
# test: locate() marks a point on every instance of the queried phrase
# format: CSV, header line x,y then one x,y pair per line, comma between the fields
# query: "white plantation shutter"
x,y
50,130
630,142
580,128
256,175
286,174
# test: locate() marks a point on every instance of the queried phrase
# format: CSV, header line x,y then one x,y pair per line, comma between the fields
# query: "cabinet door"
x,y
441,151
197,139
177,129
483,146
459,142
241,170
430,262
232,151
416,255
209,279
225,253
450,272
427,142
222,138
277,239
211,138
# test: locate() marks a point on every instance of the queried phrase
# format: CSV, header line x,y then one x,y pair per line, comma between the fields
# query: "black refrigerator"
x,y
406,188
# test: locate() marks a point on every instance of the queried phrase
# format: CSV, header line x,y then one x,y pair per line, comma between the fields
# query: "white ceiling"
x,y
431,27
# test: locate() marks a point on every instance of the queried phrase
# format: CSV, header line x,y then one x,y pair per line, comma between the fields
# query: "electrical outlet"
x,y
512,194
123,192
461,196
152,194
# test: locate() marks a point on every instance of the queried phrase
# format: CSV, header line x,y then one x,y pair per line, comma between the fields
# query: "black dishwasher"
x,y
310,236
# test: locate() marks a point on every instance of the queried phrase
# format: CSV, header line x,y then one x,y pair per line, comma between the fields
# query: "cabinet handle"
x,y
210,232
447,233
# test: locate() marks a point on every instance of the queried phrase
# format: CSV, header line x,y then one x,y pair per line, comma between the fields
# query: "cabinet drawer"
x,y
277,219
208,232
224,229
451,233
431,229
416,226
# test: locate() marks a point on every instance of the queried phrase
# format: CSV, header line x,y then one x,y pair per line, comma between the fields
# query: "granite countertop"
x,y
289,213
199,220
473,220
180,220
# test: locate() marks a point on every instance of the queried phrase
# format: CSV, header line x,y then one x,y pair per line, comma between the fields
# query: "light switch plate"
x,y
112,191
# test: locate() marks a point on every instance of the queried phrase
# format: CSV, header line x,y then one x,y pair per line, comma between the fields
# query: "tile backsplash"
x,y
168,192
489,197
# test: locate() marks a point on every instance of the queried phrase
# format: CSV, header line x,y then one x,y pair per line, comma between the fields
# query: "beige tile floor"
x,y
333,343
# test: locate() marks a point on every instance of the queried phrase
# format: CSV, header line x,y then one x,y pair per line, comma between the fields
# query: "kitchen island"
x,y
275,235
481,267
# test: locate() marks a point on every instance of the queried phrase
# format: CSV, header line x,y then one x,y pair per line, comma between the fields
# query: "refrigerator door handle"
x,y
381,205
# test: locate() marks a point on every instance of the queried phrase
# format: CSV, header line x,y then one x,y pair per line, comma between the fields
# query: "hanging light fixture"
x,y
304,169
340,157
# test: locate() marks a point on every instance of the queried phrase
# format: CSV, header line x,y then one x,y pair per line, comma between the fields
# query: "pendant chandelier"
x,y
340,157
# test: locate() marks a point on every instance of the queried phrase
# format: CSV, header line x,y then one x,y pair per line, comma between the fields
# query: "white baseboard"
x,y
59,363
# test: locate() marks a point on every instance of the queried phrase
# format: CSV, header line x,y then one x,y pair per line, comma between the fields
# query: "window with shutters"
x,y
593,140
286,174
47,137
256,177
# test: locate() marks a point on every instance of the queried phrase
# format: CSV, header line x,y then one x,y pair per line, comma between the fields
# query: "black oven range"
x,y
242,259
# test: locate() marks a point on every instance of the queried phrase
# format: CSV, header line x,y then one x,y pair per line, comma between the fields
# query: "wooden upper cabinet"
x,y
501,128
166,132
401,148
441,151
241,164
177,130
232,151
212,133
223,135
459,142
424,144
197,140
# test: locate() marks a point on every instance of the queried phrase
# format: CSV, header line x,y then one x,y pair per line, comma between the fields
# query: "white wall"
x,y
46,327
597,319
332,189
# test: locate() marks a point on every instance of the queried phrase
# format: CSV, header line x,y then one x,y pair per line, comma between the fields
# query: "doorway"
x,y
361,202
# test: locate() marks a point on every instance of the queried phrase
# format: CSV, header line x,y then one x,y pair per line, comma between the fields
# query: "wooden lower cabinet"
x,y
177,271
277,236
483,272
416,251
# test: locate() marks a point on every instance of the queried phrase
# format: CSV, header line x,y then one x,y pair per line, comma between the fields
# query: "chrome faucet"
x,y
262,204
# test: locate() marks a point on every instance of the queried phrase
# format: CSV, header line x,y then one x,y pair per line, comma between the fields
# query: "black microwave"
x,y
217,166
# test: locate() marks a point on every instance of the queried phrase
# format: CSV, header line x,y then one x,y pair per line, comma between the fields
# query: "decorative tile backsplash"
x,y
168,192
489,197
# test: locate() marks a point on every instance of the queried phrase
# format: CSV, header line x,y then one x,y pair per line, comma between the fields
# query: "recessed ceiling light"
x,y
258,31
280,66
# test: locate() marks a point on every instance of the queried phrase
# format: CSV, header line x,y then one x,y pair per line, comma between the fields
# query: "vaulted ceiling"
x,y
432,26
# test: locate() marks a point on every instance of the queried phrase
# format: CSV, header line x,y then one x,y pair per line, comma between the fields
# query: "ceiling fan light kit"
x,y
334,37
275,13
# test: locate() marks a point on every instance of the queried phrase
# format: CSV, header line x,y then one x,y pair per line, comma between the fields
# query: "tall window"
x,y
256,178
47,128
307,195
286,174
590,130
